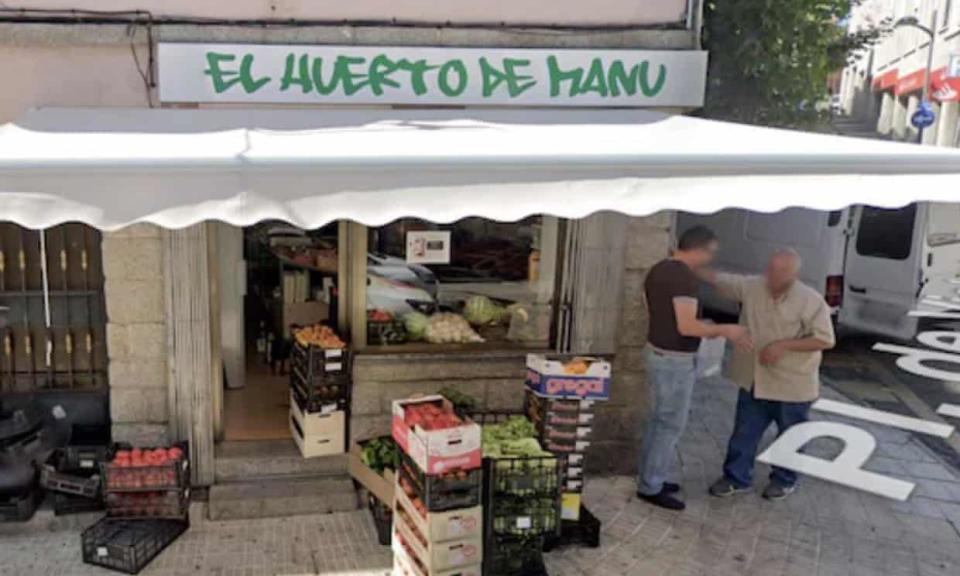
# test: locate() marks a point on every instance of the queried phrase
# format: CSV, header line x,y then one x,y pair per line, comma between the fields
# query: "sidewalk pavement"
x,y
822,530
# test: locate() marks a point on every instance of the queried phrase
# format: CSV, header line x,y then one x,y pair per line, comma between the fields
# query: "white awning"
x,y
112,167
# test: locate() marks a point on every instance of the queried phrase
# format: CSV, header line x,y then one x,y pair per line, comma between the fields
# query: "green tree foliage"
x,y
769,59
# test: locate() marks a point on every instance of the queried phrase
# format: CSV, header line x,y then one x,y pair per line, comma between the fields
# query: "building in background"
x,y
883,86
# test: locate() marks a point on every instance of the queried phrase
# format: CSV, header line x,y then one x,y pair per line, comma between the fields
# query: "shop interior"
x,y
475,284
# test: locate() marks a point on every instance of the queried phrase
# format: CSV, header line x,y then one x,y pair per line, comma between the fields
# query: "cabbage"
x,y
445,327
480,311
416,325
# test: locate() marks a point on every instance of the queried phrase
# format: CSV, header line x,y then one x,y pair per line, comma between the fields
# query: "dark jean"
x,y
671,379
753,418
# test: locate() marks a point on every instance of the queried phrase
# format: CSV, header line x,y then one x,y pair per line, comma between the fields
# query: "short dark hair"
x,y
696,238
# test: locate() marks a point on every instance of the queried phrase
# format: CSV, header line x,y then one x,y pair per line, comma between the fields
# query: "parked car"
x,y
871,264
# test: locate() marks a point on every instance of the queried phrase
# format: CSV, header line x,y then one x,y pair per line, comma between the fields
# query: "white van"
x,y
870,263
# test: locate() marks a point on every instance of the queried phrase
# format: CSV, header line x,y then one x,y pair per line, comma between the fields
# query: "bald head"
x,y
783,269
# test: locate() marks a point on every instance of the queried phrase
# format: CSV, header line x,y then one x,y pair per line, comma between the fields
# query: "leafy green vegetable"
x,y
416,325
480,311
380,454
461,401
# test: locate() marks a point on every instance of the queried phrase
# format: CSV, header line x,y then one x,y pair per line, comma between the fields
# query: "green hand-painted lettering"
x,y
417,70
516,83
619,79
296,71
558,77
458,68
596,80
223,80
645,86
381,67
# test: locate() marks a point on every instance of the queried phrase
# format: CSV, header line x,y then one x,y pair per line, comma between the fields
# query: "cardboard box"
x,y
303,314
440,556
318,434
442,526
437,451
323,423
570,504
546,376
565,447
564,408
403,565
382,487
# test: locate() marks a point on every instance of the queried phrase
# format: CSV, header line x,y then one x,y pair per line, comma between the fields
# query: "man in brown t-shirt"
x,y
675,333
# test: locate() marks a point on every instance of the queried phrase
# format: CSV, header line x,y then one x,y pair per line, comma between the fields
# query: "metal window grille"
x,y
52,312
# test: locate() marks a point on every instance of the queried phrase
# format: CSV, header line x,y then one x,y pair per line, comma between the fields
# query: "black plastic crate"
x,y
84,483
165,504
519,516
382,519
66,504
441,492
319,400
19,507
523,476
128,545
583,532
507,556
386,333
315,364
16,424
89,446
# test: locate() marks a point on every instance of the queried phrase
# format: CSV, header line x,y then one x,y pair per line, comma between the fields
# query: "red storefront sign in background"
x,y
942,89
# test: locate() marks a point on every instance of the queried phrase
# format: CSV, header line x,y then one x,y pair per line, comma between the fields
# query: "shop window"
x,y
473,283
52,320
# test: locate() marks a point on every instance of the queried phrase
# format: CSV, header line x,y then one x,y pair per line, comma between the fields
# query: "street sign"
x,y
924,117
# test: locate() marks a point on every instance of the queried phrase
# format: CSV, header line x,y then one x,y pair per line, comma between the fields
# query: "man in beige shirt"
x,y
779,375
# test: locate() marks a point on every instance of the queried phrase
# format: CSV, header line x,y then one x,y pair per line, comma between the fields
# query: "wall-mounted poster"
x,y
428,247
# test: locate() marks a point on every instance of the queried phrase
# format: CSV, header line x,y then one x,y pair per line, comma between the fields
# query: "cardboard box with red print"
x,y
578,377
434,436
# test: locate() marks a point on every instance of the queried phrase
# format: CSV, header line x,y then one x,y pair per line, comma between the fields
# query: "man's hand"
x,y
737,334
772,353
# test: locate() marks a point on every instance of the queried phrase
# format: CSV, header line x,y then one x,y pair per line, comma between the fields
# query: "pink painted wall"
x,y
37,76
557,12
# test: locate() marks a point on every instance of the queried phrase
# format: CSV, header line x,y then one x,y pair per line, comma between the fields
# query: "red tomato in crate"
x,y
174,453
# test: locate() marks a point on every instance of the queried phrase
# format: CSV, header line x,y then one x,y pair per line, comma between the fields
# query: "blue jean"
x,y
753,418
670,379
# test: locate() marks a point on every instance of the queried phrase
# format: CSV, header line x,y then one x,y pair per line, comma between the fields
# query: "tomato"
x,y
175,453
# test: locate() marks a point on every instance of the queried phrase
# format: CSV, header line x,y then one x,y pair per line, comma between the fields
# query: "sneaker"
x,y
663,500
777,491
724,488
670,488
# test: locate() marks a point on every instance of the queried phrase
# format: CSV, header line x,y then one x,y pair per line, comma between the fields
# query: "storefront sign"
x,y
885,81
238,73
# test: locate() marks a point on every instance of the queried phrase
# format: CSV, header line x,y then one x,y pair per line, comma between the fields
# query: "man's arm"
x,y
685,309
730,286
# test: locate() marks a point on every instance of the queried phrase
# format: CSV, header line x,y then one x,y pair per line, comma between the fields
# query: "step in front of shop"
x,y
272,459
282,497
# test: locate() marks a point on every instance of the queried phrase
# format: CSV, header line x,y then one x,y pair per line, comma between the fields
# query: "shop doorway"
x,y
273,277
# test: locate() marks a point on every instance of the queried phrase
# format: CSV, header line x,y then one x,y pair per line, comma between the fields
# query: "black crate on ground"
x,y
20,506
17,424
442,492
508,556
128,545
66,504
583,532
165,504
89,445
382,519
84,483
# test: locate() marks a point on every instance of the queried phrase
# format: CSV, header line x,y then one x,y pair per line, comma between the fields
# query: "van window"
x,y
834,218
944,224
886,233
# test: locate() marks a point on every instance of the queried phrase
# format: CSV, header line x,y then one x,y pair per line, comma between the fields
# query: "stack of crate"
x,y
521,504
438,517
147,494
320,391
560,400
